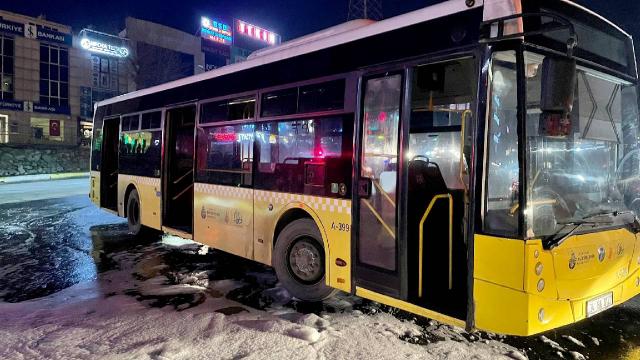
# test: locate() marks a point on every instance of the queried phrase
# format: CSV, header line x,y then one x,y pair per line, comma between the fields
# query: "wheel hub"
x,y
304,260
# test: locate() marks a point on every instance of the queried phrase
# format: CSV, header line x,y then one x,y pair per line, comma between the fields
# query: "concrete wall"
x,y
16,161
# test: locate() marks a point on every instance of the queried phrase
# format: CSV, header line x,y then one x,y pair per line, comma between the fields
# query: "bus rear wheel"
x,y
299,261
134,218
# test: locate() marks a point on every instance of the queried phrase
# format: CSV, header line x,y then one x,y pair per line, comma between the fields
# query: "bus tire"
x,y
299,261
134,218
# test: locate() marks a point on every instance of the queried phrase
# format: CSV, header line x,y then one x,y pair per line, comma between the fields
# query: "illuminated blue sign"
x,y
216,30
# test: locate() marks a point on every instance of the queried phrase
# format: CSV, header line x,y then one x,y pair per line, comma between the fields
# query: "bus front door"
x,y
411,187
442,95
178,168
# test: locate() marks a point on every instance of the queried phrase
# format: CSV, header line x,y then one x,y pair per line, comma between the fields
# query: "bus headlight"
x,y
539,268
541,315
540,285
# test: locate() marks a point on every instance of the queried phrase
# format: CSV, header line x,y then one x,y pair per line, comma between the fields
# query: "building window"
x,y
54,75
104,73
6,68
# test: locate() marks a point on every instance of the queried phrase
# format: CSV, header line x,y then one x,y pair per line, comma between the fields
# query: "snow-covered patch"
x,y
125,313
574,340
551,343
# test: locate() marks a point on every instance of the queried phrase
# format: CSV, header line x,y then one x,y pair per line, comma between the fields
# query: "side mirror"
x,y
558,84
557,96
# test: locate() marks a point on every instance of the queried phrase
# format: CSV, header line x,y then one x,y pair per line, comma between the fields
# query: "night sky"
x,y
289,18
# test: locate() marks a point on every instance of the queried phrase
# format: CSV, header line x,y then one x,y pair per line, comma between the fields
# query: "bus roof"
x,y
297,47
346,33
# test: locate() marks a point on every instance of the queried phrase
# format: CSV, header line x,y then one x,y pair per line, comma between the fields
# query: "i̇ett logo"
x,y
572,261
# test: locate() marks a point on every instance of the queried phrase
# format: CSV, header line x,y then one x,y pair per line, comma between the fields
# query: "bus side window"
x,y
225,155
309,156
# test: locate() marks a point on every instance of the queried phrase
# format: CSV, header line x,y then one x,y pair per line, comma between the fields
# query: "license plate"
x,y
599,304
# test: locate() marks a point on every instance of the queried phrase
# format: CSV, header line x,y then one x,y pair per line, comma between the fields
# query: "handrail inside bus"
x,y
384,193
421,240
380,219
183,176
182,192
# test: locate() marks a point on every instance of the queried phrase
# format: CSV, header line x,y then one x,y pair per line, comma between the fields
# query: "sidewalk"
x,y
42,177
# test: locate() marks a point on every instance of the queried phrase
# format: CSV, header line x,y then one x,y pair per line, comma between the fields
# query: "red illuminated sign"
x,y
224,137
257,33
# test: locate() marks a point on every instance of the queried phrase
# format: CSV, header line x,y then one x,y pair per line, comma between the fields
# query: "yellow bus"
x,y
474,162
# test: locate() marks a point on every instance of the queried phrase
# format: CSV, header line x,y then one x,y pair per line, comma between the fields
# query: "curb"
x,y
42,177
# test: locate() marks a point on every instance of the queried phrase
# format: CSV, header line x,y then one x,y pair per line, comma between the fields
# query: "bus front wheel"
x,y
299,261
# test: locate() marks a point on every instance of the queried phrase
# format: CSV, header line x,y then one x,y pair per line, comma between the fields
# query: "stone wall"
x,y
31,161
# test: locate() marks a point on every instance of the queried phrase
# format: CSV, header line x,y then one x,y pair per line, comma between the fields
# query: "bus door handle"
x,y
365,186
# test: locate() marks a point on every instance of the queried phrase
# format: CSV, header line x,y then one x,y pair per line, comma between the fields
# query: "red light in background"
x,y
382,116
224,137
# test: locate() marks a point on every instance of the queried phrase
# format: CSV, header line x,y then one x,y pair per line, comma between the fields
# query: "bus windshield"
x,y
593,166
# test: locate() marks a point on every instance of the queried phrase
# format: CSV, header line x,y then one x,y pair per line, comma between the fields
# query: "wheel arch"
x,y
296,211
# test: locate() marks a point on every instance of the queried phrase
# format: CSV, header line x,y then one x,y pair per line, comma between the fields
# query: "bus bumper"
x,y
506,311
525,290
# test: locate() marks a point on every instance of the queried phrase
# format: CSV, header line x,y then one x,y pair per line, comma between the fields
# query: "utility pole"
x,y
365,9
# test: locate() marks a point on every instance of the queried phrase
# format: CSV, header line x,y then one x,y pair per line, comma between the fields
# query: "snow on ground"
x,y
142,309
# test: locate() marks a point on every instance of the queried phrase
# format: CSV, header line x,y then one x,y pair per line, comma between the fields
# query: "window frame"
x,y
139,114
316,118
7,95
58,82
518,49
237,96
349,104
205,127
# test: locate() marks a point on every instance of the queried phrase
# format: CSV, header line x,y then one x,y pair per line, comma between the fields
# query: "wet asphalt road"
x,y
50,244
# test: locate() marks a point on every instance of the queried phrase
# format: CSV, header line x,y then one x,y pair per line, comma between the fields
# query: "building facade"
x,y
50,82
160,54
37,65
51,77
